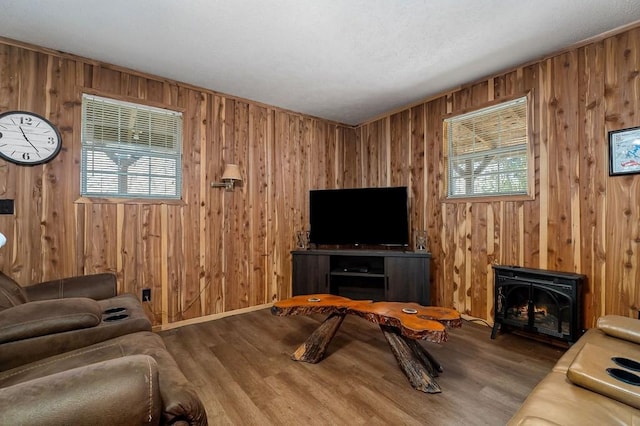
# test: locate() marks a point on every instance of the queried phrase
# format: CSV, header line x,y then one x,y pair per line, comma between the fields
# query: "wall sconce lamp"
x,y
229,178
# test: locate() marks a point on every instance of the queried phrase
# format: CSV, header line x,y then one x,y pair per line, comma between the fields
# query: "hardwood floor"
x,y
242,370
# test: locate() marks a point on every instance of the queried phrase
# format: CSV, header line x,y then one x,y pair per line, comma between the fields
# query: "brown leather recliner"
x,y
58,316
72,352
130,379
118,391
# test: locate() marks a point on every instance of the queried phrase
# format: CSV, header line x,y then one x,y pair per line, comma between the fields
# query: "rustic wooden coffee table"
x,y
401,323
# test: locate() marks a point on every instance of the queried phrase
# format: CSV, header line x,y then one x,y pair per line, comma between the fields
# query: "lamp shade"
x,y
231,172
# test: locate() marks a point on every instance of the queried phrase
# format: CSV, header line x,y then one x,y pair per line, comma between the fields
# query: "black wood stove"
x,y
538,301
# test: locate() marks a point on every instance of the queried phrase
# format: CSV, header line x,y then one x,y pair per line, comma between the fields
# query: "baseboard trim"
x,y
211,317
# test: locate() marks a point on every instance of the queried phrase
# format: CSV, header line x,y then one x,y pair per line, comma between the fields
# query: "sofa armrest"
x,y
590,371
181,404
621,327
95,286
45,317
118,391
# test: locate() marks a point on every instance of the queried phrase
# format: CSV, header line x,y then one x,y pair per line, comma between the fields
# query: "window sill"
x,y
489,198
158,201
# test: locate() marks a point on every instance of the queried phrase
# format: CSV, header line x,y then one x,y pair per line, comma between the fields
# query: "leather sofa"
x,y
66,358
57,316
580,389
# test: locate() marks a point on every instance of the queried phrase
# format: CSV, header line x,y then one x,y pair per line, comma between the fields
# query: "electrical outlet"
x,y
146,295
6,206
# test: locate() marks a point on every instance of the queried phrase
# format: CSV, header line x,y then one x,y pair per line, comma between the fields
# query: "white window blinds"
x,y
130,150
488,151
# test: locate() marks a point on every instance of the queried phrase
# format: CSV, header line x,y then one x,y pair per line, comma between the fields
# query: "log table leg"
x,y
425,356
314,348
420,376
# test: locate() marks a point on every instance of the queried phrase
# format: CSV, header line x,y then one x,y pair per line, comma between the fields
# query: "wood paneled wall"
x,y
220,251
581,220
216,251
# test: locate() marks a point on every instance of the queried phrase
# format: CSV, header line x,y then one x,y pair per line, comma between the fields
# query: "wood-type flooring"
x,y
241,368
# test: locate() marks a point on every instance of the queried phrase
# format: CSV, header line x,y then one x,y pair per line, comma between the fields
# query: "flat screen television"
x,y
359,216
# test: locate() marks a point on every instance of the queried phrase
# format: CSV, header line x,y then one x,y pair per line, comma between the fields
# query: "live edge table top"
x,y
410,319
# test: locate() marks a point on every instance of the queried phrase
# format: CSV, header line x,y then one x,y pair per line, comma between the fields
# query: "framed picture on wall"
x,y
624,151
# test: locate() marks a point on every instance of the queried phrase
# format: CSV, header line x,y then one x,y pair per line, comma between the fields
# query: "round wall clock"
x,y
27,138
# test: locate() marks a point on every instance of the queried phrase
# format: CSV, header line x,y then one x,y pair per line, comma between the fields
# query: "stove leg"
x,y
494,330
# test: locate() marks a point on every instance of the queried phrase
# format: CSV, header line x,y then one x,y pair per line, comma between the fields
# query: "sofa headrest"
x,y
11,293
621,327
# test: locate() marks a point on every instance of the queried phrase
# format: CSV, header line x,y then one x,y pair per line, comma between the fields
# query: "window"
x,y
488,151
130,150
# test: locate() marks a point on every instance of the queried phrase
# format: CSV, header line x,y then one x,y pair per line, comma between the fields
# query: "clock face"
x,y
27,138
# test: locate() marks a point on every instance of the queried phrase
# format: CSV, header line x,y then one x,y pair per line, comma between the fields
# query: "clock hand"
x,y
27,139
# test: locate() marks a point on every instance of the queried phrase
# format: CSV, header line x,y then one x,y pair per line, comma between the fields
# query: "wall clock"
x,y
27,138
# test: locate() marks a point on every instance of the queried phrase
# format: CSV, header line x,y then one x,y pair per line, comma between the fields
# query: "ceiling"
x,y
342,60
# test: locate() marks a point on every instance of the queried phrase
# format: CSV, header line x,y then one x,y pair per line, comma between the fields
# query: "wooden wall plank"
x,y
435,215
176,265
350,152
257,173
151,257
562,126
531,209
333,165
277,261
204,188
128,259
283,225
190,288
214,220
237,216
594,174
399,149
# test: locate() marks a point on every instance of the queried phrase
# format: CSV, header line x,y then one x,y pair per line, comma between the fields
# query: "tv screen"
x,y
371,216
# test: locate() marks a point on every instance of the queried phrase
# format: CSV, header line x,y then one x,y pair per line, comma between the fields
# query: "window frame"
x,y
108,198
529,194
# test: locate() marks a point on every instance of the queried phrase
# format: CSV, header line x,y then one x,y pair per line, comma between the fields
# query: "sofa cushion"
x,y
11,293
589,370
621,327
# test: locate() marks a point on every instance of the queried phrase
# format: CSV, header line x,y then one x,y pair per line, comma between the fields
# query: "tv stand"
x,y
394,276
